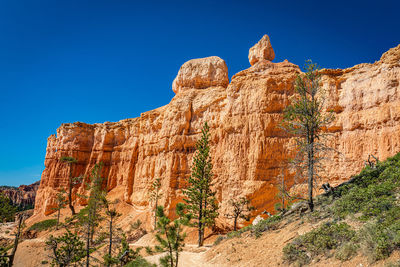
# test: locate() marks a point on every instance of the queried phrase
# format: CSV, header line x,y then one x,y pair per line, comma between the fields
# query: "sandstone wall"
x,y
247,146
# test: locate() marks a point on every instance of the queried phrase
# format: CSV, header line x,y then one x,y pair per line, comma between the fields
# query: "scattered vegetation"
x,y
264,225
371,198
43,225
271,223
241,209
7,210
318,242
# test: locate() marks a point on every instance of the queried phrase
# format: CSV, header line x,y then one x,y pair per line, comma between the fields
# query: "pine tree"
x,y
89,217
200,200
112,214
70,161
241,209
306,119
170,235
154,197
60,201
66,249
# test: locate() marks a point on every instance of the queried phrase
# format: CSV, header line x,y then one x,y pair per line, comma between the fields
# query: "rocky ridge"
x,y
22,196
247,146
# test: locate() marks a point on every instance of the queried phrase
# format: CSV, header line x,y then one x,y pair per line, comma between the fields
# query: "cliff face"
x,y
248,148
23,196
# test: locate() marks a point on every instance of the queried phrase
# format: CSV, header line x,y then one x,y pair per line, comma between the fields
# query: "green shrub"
x,y
233,234
292,254
370,201
346,251
140,262
264,225
319,241
136,225
43,225
378,240
219,239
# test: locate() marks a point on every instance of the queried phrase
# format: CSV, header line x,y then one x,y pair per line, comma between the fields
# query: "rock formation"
x,y
247,146
201,73
261,51
22,196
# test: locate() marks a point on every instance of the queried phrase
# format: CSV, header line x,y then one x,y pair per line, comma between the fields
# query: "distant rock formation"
x,y
22,196
247,146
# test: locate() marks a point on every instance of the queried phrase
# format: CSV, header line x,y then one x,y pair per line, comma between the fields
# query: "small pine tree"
x,y
3,257
112,214
60,202
66,249
70,161
241,209
89,217
285,199
306,119
154,197
170,235
199,198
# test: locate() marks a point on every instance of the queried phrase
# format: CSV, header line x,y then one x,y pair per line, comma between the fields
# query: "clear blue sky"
x,y
96,61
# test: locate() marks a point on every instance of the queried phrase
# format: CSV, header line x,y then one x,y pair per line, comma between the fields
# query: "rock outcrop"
x,y
201,73
261,51
22,196
247,146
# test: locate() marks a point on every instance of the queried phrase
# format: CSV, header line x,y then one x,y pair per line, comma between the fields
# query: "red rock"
x,y
247,147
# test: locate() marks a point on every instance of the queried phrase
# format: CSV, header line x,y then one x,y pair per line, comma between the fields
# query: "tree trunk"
x,y
88,245
110,245
58,217
70,191
283,192
200,222
311,175
177,248
235,223
155,213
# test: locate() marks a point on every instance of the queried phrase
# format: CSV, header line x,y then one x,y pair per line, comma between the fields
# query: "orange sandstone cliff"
x,y
243,114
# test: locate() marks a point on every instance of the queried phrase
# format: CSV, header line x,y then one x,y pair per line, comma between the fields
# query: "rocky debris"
x,y
257,220
201,73
22,196
247,146
261,51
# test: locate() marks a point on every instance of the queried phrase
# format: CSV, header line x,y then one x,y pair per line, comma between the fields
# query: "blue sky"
x,y
96,61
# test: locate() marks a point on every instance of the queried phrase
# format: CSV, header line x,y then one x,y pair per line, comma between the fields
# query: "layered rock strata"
x,y
247,146
22,196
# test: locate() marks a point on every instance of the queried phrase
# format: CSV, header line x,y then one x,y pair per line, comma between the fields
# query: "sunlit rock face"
x,y
247,146
201,73
261,51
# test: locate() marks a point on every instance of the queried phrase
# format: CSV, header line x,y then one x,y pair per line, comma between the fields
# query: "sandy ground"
x,y
241,251
190,256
